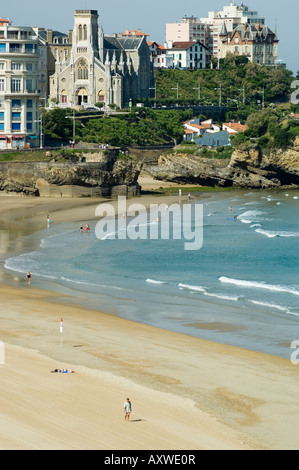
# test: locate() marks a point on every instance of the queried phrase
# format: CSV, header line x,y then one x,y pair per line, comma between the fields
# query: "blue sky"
x,y
151,17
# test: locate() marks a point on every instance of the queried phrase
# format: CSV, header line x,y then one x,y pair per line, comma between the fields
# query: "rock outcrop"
x,y
248,167
112,176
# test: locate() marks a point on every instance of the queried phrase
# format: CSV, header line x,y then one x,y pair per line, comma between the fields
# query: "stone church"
x,y
99,68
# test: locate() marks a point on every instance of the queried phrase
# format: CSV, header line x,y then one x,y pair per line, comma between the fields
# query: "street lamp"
x,y
198,88
220,94
41,131
243,89
262,92
177,91
74,125
155,88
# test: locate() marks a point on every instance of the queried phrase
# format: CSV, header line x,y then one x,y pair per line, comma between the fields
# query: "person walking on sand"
x,y
128,409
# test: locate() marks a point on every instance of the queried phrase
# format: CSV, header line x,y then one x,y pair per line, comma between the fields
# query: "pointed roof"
x,y
223,30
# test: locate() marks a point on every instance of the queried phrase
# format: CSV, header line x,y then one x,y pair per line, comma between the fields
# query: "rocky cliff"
x,y
248,167
109,177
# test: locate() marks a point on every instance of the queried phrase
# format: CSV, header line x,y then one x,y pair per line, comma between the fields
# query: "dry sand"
x,y
187,393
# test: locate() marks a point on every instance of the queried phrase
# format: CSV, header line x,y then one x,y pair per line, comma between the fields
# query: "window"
x,y
14,48
82,70
29,48
15,103
15,85
16,126
16,116
1,65
2,83
15,66
80,35
29,67
1,126
2,48
29,116
29,103
29,86
29,126
1,116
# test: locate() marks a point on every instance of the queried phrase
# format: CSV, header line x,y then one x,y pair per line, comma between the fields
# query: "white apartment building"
x,y
19,86
186,55
158,54
208,29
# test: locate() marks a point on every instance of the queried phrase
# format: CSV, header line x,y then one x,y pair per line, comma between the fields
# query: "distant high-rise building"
x,y
211,31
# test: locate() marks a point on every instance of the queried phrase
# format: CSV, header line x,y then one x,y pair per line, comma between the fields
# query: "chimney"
x,y
49,36
70,36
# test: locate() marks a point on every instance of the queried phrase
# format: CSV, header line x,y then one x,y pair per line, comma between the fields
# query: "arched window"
x,y
64,96
101,96
80,35
82,70
85,32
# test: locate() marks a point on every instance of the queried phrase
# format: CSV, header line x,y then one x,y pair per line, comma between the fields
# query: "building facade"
x,y
188,29
257,43
20,86
209,30
158,54
108,69
186,55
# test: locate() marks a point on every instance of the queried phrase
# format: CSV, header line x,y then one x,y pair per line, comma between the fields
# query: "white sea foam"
x,y
89,283
194,288
153,281
250,217
221,296
267,304
259,285
274,234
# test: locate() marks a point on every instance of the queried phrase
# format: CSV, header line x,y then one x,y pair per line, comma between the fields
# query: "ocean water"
x,y
241,288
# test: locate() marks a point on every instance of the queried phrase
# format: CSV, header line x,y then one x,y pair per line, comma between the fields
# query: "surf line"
x,y
159,221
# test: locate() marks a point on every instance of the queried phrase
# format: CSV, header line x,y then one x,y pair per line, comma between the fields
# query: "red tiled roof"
x,y
134,32
183,44
236,126
150,43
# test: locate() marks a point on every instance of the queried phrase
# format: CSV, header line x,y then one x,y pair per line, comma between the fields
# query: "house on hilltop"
x,y
186,55
196,128
158,54
234,127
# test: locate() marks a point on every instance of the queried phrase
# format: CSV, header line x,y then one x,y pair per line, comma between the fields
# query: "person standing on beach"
x,y
128,409
28,279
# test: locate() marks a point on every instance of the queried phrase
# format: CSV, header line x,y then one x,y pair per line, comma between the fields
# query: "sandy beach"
x,y
187,393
